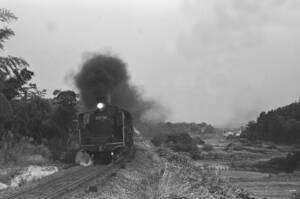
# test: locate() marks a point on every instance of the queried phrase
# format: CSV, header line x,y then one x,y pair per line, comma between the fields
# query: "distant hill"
x,y
281,125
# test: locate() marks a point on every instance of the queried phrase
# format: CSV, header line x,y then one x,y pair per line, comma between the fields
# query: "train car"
x,y
105,132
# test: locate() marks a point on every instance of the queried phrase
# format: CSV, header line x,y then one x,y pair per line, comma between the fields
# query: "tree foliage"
x,y
61,123
5,111
29,117
6,15
280,125
14,72
24,110
65,98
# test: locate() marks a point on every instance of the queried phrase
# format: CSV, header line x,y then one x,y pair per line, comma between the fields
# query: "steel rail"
x,y
44,183
54,188
106,172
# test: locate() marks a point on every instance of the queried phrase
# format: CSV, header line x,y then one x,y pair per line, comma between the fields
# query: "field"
x,y
266,187
236,161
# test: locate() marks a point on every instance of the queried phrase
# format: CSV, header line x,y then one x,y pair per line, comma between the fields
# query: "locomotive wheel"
x,y
116,153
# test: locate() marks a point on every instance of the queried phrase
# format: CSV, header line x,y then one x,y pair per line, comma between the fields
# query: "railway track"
x,y
60,185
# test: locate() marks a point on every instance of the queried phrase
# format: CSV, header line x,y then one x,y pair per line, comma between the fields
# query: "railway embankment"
x,y
161,174
153,172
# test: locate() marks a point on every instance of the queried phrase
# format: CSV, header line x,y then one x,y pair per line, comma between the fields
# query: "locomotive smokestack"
x,y
108,98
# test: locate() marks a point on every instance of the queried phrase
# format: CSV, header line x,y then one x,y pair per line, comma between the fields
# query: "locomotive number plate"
x,y
101,117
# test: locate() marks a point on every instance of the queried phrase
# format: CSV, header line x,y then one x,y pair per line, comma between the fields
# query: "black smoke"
x,y
103,75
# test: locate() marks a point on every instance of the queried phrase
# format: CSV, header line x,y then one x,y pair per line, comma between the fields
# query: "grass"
x,y
177,177
22,152
161,173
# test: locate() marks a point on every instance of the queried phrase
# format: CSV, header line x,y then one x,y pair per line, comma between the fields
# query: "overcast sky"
x,y
215,61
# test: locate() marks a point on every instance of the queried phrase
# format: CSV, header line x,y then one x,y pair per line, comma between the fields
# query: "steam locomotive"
x,y
105,132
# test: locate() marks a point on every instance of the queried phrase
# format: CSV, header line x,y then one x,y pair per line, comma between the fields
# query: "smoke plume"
x,y
102,75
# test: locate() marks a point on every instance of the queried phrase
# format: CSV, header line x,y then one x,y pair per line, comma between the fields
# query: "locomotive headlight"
x,y
100,105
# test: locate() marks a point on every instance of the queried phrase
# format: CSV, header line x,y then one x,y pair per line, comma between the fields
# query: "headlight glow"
x,y
100,105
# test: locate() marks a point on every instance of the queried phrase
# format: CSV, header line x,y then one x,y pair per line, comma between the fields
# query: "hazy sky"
x,y
216,61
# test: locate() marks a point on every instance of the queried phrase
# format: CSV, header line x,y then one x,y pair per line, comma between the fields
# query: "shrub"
x,y
22,152
287,164
158,140
197,155
29,116
57,147
181,143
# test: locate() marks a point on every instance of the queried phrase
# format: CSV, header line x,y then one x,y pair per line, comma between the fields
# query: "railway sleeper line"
x,y
56,187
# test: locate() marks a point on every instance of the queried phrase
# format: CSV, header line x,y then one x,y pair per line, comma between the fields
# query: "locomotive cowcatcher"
x,y
106,132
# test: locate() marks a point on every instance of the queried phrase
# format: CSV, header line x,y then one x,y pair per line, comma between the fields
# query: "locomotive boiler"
x,y
106,132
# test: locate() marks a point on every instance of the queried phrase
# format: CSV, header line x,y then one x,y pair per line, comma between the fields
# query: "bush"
x,y
22,152
29,117
287,164
197,155
158,140
181,143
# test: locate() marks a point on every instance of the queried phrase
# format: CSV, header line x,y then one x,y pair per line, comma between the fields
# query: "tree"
x,y
281,125
65,98
29,91
14,73
65,112
61,123
29,117
5,112
22,108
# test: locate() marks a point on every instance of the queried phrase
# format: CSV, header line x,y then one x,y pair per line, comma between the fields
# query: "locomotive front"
x,y
105,131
